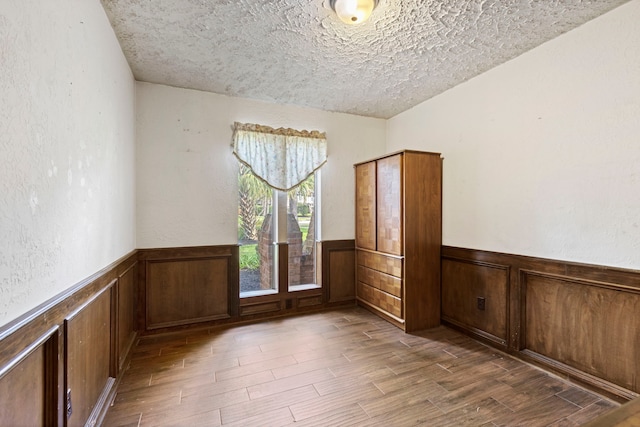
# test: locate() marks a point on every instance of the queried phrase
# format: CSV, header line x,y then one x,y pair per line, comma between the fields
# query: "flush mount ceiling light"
x,y
353,11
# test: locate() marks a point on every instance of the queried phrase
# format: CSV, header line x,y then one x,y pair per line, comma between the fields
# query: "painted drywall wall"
x,y
67,194
187,174
542,155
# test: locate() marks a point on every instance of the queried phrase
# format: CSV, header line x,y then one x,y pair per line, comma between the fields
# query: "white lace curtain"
x,y
283,158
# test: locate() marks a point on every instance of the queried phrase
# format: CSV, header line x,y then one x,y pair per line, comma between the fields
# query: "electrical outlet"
x,y
481,303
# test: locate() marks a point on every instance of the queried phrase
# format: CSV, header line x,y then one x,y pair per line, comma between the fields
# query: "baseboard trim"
x,y
607,388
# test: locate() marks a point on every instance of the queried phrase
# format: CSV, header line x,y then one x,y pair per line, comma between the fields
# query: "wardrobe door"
x,y
366,205
389,208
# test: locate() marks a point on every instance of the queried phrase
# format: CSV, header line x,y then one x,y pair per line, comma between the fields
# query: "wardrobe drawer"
x,y
379,280
381,262
380,299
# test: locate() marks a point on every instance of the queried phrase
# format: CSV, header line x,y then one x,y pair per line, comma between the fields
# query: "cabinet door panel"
x,y
389,210
366,205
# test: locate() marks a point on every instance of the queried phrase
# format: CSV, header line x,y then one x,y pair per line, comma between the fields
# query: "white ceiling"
x,y
298,52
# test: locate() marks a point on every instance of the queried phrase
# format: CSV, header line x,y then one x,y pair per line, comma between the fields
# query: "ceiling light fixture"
x,y
353,11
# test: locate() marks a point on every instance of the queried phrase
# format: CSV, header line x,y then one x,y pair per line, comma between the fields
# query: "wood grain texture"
x,y
309,301
54,377
381,262
365,201
337,277
283,267
338,368
627,415
592,328
20,334
88,361
409,236
387,302
338,271
578,320
22,398
184,291
126,313
384,282
47,320
228,286
423,239
260,307
462,283
28,384
210,274
389,207
26,329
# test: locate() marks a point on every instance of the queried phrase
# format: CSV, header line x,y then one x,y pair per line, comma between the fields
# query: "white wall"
x,y
542,154
67,201
187,174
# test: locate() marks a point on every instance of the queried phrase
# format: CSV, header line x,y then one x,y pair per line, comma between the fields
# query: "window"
x,y
259,232
278,207
302,204
255,223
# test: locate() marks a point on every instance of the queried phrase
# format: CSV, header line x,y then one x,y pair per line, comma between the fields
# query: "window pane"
x,y
301,233
255,235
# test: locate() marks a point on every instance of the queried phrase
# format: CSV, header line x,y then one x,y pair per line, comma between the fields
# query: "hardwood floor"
x,y
338,368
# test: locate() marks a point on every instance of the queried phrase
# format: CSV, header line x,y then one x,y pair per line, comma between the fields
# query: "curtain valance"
x,y
283,158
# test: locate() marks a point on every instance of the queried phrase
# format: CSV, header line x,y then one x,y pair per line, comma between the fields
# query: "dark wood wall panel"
x,y
309,301
592,328
186,291
23,387
576,319
126,313
80,339
463,283
183,286
37,351
338,270
196,286
88,355
26,385
261,307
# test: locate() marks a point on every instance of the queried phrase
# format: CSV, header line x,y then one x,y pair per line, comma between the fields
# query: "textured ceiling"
x,y
298,52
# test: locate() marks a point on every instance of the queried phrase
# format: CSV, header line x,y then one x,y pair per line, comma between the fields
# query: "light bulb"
x,y
353,11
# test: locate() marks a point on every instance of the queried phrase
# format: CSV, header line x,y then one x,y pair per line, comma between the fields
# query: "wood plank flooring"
x,y
339,368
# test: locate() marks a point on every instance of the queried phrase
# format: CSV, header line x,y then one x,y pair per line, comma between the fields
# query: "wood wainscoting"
x,y
60,363
199,286
338,271
183,286
89,370
580,321
74,344
28,384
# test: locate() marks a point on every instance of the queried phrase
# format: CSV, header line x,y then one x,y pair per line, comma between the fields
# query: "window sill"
x,y
259,293
296,288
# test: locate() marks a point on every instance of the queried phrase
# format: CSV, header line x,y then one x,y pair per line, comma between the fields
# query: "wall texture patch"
x,y
67,96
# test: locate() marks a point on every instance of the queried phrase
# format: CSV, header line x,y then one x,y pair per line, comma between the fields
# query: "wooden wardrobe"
x,y
398,237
